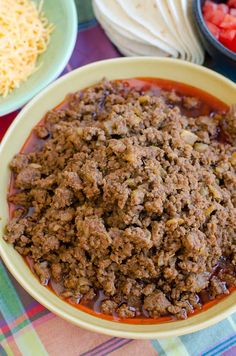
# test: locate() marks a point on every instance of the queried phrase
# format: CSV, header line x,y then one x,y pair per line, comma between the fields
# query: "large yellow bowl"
x,y
177,70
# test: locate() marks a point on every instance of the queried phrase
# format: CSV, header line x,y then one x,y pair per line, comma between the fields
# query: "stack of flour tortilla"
x,y
163,28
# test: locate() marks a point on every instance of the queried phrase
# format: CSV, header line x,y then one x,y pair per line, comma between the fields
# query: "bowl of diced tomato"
x,y
216,20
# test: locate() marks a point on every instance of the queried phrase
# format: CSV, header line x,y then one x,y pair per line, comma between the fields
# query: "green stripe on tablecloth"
x,y
196,343
11,308
5,349
4,353
172,346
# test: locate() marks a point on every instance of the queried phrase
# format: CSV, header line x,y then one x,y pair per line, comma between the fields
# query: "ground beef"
x,y
157,303
129,196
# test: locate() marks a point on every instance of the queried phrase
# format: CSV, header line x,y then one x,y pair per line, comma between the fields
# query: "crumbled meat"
x,y
129,200
194,241
73,181
229,125
27,177
19,162
20,198
108,307
125,311
56,271
15,230
42,271
157,303
197,282
190,102
63,197
217,287
41,131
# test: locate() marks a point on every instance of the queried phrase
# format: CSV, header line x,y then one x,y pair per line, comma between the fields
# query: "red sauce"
x,y
209,106
93,307
209,103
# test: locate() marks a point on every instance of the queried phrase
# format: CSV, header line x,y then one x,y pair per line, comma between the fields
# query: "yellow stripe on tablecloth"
x,y
29,342
7,348
173,347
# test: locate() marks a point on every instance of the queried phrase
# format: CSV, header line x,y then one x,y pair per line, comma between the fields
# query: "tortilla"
x,y
189,24
104,21
134,47
126,51
147,15
116,15
160,28
125,41
163,7
177,15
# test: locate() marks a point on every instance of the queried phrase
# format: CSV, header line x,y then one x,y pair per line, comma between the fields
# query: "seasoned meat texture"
x,y
131,198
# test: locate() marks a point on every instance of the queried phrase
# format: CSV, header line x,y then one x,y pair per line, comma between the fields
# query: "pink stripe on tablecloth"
x,y
35,323
44,319
32,310
101,348
230,352
112,348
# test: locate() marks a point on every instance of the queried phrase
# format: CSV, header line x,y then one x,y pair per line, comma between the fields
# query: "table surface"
x,y
27,328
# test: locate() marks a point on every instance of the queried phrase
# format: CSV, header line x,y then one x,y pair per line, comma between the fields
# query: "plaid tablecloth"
x,y
27,328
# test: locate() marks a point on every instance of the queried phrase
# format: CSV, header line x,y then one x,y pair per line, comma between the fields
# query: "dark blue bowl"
x,y
224,59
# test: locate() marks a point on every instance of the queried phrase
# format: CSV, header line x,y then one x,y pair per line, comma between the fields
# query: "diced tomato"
x,y
231,3
215,17
227,35
232,45
213,29
224,8
229,22
228,39
221,21
209,6
208,15
233,12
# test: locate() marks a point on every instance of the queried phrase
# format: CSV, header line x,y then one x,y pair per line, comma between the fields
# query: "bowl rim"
x,y
55,72
197,7
53,307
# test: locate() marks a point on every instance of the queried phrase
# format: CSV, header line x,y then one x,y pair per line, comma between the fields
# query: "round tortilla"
x,y
134,47
116,15
163,7
189,24
122,41
160,28
175,10
147,15
116,28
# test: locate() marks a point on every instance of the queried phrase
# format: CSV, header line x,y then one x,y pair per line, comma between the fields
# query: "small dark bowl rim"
x,y
197,7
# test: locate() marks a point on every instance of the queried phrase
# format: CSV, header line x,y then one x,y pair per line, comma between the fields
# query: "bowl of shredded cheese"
x,y
37,38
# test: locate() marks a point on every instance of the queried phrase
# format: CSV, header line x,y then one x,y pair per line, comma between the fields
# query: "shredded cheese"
x,y
24,35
